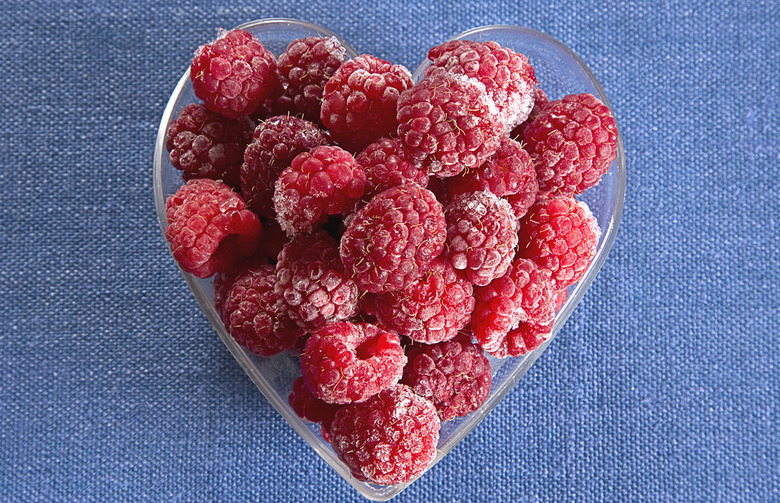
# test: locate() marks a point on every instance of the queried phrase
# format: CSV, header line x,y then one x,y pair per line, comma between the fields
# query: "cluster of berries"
x,y
392,234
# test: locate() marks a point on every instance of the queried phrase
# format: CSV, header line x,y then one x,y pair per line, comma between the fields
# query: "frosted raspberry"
x,y
311,408
540,101
389,439
387,165
304,68
509,173
524,294
572,143
508,76
204,144
523,339
448,123
276,141
429,309
392,240
359,102
325,181
560,235
255,316
209,227
233,74
454,375
349,362
481,235
312,281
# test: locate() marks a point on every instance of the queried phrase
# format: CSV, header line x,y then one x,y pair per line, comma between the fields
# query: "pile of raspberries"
x,y
391,234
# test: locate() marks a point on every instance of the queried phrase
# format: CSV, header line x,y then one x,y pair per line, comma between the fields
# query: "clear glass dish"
x,y
559,72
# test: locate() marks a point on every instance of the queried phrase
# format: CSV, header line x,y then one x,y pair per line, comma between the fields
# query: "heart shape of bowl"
x,y
559,72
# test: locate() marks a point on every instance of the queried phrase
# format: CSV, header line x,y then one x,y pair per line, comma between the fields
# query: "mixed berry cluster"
x,y
395,236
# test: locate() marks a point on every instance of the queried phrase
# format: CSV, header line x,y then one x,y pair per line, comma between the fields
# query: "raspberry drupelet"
x,y
275,143
389,439
324,181
255,315
524,294
209,227
359,101
312,282
430,309
234,74
346,362
204,144
507,75
560,235
572,142
392,240
454,375
304,68
448,123
481,235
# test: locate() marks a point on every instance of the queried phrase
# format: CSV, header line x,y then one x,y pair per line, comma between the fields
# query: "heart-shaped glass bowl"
x,y
559,72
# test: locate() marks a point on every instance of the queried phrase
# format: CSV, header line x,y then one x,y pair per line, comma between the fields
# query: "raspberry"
x,y
387,165
389,439
304,68
312,281
508,77
255,315
324,181
350,362
481,235
430,309
524,294
448,123
276,142
209,227
540,101
523,339
311,408
509,173
204,144
233,74
359,102
572,143
454,375
560,235
392,240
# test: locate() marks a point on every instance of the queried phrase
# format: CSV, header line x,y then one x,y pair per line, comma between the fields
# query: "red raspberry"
x,y
481,235
311,408
387,165
560,235
523,339
448,123
524,293
204,144
508,77
209,227
324,181
509,173
312,281
540,101
454,375
304,68
389,439
276,142
430,309
392,240
233,74
359,102
572,143
255,316
349,362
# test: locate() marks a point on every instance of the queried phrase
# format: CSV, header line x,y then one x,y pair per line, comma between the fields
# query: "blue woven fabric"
x,y
663,385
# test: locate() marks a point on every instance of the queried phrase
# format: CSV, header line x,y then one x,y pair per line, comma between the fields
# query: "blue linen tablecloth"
x,y
663,385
